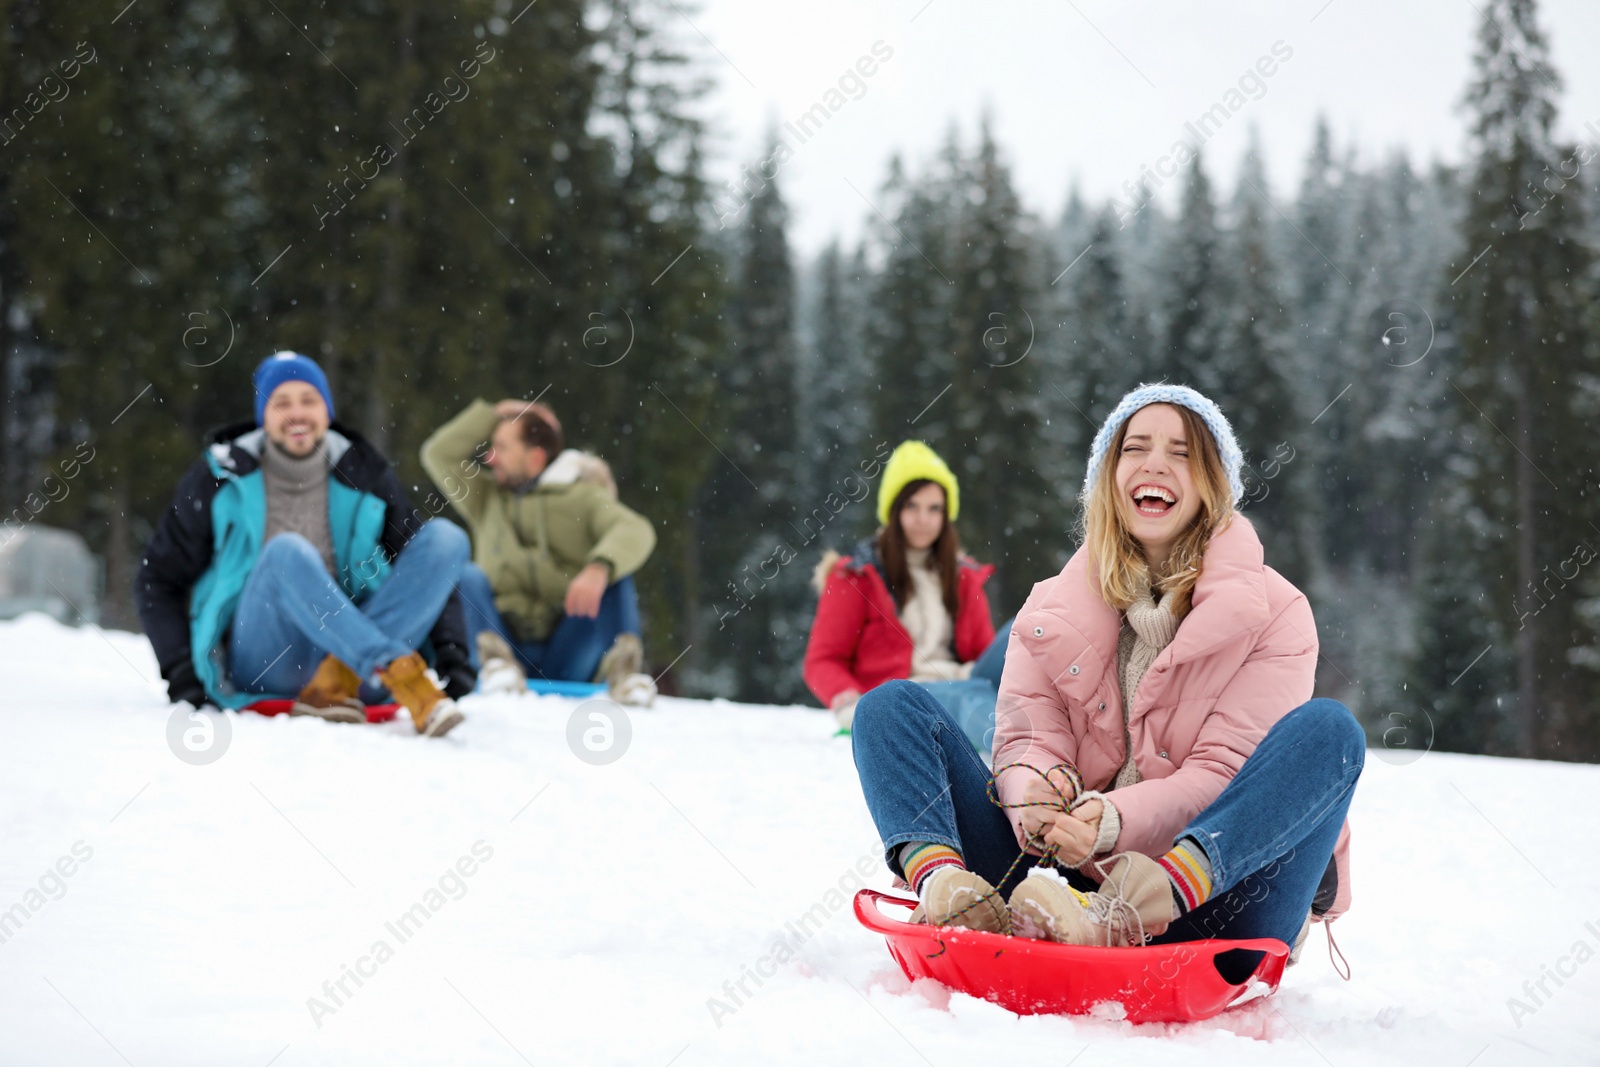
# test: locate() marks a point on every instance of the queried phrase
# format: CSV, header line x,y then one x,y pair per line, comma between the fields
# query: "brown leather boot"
x,y
332,694
432,713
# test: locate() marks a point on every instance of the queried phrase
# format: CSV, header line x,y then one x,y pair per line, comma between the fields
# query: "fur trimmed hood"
x,y
864,555
573,466
824,568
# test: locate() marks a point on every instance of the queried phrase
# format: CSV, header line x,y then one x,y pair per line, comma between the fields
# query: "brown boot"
x,y
332,694
498,669
621,670
432,713
624,657
1134,902
954,896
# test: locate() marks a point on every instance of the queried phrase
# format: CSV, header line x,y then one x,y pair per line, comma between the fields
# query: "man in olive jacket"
x,y
553,549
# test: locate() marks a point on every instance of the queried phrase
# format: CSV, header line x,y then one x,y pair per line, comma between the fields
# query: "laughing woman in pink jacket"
x,y
1155,732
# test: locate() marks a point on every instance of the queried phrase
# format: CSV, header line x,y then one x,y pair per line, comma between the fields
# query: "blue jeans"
x,y
1269,835
573,651
971,701
292,613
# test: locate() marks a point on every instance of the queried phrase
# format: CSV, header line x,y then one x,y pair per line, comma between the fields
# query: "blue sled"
x,y
547,687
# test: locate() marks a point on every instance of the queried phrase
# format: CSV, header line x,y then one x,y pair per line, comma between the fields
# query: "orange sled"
x,y
1181,982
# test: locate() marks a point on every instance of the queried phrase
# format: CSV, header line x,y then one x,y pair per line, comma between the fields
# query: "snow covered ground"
x,y
162,912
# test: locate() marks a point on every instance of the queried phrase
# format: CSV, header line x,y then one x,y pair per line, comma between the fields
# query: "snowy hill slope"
x,y
493,899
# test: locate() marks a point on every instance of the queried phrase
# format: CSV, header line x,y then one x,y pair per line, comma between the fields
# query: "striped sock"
x,y
920,859
1190,871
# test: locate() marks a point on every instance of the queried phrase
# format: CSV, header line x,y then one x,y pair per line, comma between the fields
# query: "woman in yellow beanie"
x,y
907,603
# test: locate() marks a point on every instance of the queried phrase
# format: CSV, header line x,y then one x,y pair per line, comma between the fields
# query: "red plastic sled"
x,y
375,712
1153,984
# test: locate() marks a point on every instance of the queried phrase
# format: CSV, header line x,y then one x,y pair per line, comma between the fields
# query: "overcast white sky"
x,y
1093,89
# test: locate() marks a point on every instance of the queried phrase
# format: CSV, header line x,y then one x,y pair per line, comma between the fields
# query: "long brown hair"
x,y
945,554
1118,561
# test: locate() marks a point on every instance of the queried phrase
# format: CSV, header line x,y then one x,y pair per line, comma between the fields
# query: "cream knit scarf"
x,y
1147,628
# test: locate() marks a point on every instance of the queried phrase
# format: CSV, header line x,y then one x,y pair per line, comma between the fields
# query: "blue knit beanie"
x,y
283,367
1182,395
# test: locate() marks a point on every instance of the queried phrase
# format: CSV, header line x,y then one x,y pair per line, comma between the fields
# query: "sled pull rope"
x,y
1048,852
1061,803
1333,947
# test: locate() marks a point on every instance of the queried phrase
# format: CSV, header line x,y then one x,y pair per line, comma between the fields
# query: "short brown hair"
x,y
540,429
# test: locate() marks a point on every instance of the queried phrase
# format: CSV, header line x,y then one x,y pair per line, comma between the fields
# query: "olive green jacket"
x,y
533,540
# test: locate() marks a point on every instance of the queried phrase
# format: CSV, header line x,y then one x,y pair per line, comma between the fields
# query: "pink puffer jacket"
x,y
1244,657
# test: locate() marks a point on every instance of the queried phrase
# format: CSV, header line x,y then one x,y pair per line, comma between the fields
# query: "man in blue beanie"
x,y
325,583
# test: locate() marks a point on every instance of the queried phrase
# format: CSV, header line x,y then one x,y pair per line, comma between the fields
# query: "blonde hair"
x,y
1117,560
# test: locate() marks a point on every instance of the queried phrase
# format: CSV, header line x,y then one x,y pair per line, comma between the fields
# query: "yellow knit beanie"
x,y
911,461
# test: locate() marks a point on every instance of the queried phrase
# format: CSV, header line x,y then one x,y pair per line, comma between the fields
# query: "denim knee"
x,y
290,549
893,704
474,582
446,538
1334,728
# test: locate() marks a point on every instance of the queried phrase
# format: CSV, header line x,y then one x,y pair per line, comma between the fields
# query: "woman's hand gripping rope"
x,y
1053,829
1056,825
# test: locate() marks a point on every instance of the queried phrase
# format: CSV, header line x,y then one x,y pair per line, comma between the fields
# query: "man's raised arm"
x,y
450,456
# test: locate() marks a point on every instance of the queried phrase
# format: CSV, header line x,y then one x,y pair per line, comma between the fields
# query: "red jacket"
x,y
857,641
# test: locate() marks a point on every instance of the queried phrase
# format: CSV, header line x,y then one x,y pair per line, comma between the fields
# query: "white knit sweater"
x,y
928,622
